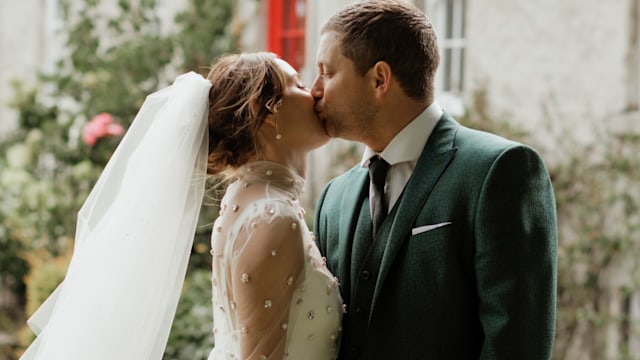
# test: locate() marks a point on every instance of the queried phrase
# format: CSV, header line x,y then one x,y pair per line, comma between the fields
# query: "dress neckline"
x,y
274,174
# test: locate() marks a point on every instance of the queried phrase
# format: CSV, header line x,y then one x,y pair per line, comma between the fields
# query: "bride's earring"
x,y
273,109
278,135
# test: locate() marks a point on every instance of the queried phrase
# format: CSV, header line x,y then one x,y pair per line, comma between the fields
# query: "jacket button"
x,y
365,275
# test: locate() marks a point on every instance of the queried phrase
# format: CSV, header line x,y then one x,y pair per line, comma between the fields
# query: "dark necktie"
x,y
378,168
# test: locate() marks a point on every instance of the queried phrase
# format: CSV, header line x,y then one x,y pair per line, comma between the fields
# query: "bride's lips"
x,y
324,124
319,113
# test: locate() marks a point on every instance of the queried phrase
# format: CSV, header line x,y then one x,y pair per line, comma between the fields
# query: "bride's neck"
x,y
292,159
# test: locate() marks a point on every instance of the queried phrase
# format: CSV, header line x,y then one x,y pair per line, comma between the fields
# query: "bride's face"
x,y
298,123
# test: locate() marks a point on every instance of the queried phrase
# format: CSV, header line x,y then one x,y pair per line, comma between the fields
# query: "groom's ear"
x,y
381,73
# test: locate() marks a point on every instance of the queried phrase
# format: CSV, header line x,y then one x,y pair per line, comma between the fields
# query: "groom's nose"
x,y
317,88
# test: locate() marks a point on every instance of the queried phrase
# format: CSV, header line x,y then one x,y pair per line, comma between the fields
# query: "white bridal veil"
x,y
133,238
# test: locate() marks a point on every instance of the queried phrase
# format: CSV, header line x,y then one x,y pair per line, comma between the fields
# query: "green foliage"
x,y
45,275
599,254
12,267
113,62
204,35
191,336
479,117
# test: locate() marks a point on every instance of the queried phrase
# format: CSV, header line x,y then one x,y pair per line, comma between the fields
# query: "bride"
x,y
252,123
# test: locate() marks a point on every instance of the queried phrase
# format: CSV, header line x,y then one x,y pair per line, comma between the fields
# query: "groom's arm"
x,y
516,257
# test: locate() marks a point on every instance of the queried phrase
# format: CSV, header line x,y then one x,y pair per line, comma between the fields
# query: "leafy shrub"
x,y
191,335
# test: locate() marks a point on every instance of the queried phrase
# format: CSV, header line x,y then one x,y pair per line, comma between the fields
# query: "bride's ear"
x,y
270,120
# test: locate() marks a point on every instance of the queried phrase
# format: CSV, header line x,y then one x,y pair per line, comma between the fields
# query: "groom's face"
x,y
343,96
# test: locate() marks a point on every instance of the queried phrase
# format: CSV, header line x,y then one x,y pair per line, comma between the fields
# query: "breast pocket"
x,y
426,228
438,249
436,232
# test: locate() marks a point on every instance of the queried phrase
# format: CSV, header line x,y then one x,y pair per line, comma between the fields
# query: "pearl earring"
x,y
273,109
278,135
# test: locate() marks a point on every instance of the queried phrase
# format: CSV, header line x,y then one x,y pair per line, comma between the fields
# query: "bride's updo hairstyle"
x,y
245,89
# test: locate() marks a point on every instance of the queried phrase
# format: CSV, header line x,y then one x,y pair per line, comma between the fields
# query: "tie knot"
x,y
378,168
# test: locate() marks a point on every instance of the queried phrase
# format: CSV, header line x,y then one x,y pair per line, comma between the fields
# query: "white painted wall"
x,y
250,24
549,66
21,51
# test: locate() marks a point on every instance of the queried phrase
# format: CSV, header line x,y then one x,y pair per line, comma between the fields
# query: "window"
x,y
448,16
286,25
452,45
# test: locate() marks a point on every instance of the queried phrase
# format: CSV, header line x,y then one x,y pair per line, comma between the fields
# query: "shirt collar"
x,y
408,144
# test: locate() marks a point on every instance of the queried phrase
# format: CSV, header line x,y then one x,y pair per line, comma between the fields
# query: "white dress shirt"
x,y
403,153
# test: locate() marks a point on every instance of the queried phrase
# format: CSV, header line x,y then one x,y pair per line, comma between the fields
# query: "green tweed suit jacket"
x,y
464,266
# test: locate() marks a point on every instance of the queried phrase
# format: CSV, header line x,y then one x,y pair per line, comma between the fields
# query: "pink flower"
x,y
100,126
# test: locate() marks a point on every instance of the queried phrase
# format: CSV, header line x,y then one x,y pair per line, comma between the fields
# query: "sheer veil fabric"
x,y
133,238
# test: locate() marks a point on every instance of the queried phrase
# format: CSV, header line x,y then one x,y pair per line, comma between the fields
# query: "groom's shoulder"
x,y
354,172
337,188
480,142
346,180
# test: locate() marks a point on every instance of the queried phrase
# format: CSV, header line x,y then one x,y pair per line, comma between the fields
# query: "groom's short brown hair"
x,y
393,31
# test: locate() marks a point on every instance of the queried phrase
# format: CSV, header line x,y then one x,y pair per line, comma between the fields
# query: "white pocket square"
x,y
425,228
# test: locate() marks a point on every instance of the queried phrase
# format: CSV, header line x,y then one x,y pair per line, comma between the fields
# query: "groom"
x,y
443,237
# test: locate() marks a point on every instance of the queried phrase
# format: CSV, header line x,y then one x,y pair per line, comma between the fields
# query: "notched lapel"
x,y
436,156
351,204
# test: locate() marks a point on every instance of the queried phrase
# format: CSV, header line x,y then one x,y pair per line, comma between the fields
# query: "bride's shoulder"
x,y
269,228
253,209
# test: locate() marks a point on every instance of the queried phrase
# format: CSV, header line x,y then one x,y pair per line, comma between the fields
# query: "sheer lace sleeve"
x,y
266,267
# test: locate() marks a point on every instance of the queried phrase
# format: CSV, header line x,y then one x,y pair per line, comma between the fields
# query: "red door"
x,y
285,28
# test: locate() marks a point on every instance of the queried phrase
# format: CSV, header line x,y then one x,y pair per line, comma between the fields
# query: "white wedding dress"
x,y
269,278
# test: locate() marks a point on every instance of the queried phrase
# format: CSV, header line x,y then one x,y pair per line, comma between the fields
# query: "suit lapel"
x,y
351,205
434,159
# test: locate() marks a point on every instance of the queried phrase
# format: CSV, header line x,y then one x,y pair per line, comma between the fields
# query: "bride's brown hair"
x,y
245,89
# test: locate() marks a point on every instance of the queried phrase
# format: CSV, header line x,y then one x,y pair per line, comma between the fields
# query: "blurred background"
x,y
562,76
